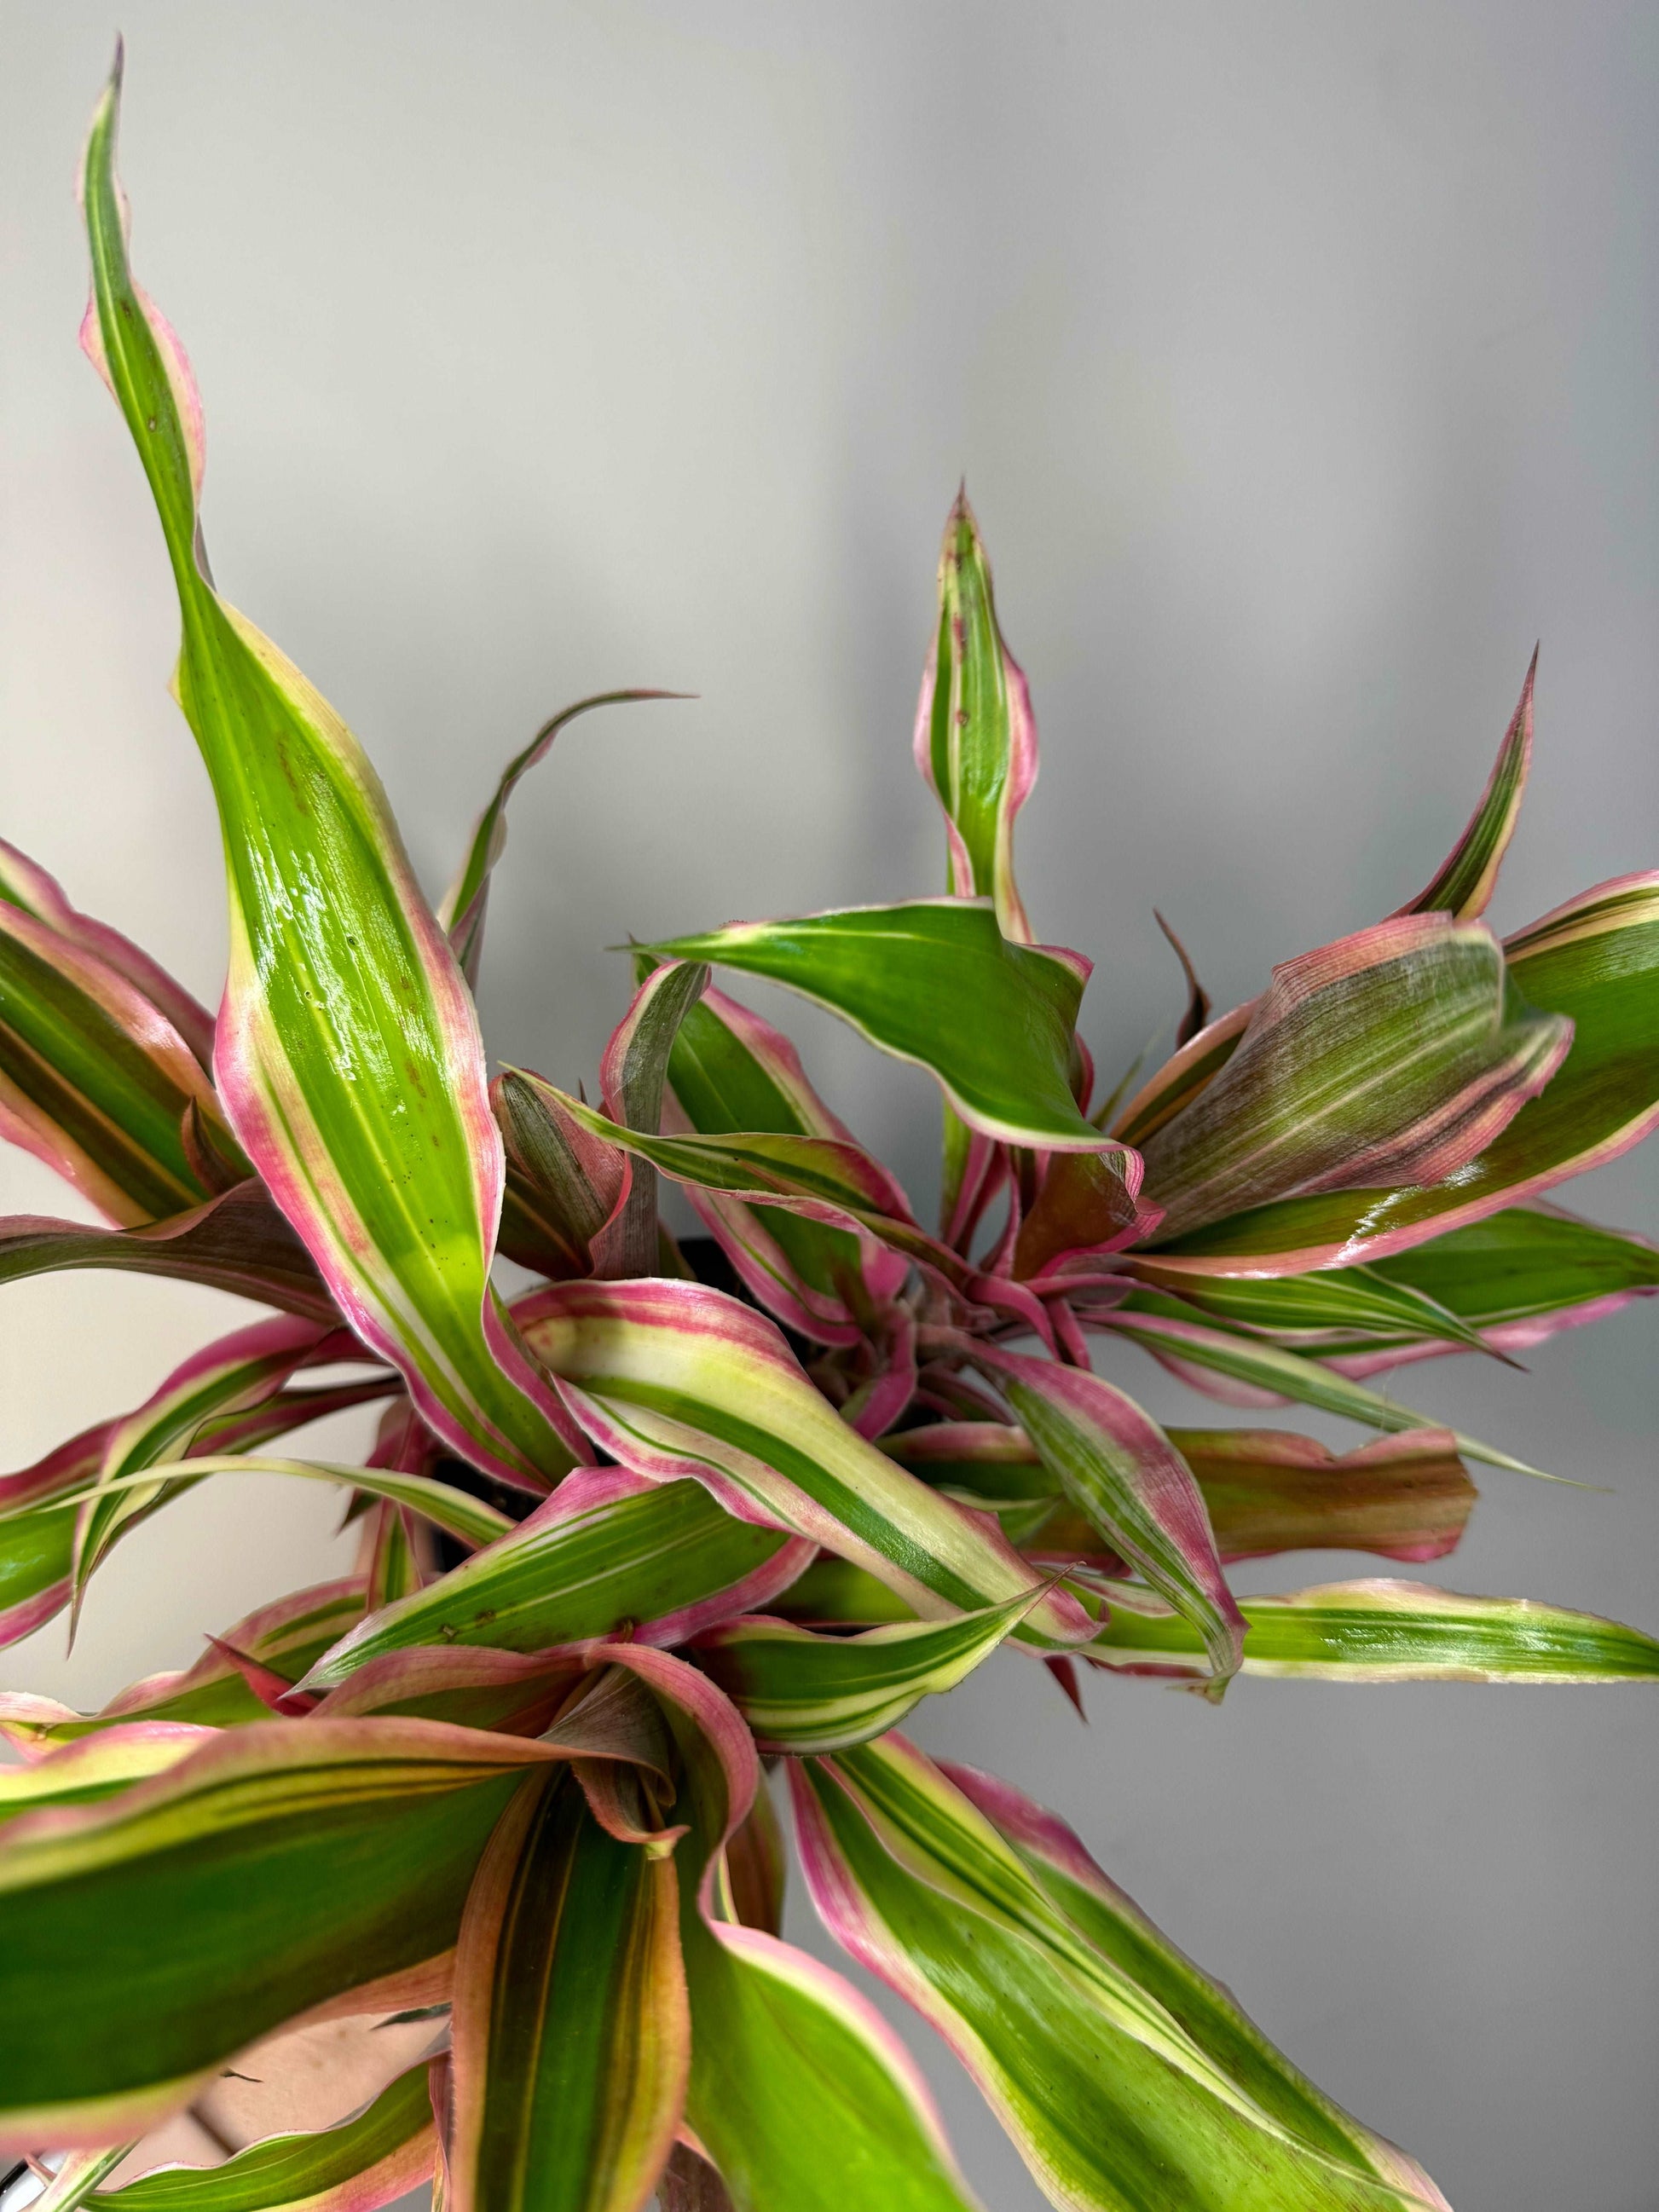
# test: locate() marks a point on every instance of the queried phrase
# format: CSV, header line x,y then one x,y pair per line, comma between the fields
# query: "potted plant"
x,y
690,1526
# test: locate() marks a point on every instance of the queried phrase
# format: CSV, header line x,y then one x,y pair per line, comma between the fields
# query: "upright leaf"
x,y
1464,886
632,1074
348,1053
976,739
935,983
570,2026
564,1187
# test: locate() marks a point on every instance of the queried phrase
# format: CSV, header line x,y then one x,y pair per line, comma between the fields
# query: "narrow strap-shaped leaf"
x,y
570,2026
1268,1367
148,1939
1122,1473
238,1242
564,1187
632,1075
230,1376
802,1692
94,1080
676,1380
365,2162
1182,1077
935,983
1464,883
1390,1631
1329,1306
1196,1014
1115,2104
729,1072
975,738
24,883
607,1550
78,2177
1396,1054
89,1773
1527,1263
1596,963
285,1638
463,908
1117,1927
347,1056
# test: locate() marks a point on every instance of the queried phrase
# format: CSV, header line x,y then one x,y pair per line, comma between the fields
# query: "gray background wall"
x,y
1300,359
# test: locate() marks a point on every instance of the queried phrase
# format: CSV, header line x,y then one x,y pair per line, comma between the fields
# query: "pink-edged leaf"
x,y
232,1376
1116,2087
348,1053
1594,961
24,883
1463,885
1122,1473
238,1242
675,1380
94,1078
1088,1206
975,738
608,1552
1397,1054
1196,1014
463,908
565,1187
632,1076
1184,1077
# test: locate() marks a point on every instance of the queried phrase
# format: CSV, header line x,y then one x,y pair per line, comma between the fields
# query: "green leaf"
x,y
1330,1306
1114,2102
364,2162
1523,1264
1395,1055
1390,1631
570,2026
94,1078
148,1939
801,1693
564,1187
976,740
349,1058
674,1380
1464,883
1596,963
606,1551
935,983
1264,1366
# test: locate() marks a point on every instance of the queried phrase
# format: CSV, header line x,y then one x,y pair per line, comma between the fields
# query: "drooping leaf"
x,y
24,883
463,908
1122,1473
606,1551
675,1380
1395,1055
362,2163
1596,963
1464,883
230,1376
1266,1490
286,1637
148,1939
348,1057
1269,1368
801,1693
935,981
1117,1928
238,1242
570,2026
94,1080
1114,2101
975,738
1390,1631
